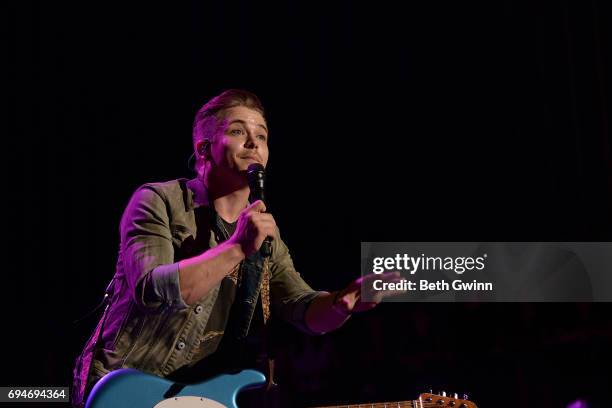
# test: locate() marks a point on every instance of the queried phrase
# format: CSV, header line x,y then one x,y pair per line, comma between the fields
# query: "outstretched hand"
x,y
350,298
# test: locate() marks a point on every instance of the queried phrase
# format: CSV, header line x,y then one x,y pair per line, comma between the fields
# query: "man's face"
x,y
241,139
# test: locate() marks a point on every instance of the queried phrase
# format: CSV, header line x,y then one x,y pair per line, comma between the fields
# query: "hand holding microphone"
x,y
255,229
256,177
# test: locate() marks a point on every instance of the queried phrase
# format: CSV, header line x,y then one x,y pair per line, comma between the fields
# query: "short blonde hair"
x,y
207,118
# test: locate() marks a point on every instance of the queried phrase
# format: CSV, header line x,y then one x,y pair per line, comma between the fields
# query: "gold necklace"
x,y
223,225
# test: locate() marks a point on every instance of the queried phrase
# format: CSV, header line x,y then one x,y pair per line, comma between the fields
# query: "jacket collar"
x,y
197,194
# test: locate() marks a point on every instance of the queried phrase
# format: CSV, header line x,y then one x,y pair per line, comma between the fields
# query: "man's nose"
x,y
251,141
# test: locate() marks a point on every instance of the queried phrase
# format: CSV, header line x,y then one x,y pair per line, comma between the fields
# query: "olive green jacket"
x,y
147,325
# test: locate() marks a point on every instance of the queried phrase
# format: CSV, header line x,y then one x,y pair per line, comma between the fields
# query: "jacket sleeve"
x,y
290,295
147,252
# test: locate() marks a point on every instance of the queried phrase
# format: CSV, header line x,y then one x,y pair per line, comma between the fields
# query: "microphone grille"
x,y
255,172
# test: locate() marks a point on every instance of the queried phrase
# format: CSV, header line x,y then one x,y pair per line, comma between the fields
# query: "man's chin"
x,y
244,167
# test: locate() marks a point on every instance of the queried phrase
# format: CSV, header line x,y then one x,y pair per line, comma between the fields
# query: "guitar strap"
x,y
253,279
265,305
83,367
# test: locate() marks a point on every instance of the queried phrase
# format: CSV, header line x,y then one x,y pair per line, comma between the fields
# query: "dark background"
x,y
432,121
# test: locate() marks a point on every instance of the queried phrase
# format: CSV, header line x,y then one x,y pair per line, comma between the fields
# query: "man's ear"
x,y
203,148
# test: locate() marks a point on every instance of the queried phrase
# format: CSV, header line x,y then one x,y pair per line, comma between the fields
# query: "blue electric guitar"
x,y
129,388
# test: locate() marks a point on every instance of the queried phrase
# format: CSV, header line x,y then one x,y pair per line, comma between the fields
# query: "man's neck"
x,y
230,205
228,195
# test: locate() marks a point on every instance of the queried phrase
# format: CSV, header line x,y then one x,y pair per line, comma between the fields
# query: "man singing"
x,y
190,272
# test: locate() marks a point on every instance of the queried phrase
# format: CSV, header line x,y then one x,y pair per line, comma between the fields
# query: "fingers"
x,y
379,295
389,293
385,277
257,206
263,223
366,296
389,276
254,225
260,217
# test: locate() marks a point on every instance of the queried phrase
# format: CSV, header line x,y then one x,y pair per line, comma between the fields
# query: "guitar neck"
x,y
424,401
395,404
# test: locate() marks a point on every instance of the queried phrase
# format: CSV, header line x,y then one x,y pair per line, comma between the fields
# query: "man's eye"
x,y
262,137
236,132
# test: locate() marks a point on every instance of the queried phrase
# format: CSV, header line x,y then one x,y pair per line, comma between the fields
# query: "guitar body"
x,y
129,388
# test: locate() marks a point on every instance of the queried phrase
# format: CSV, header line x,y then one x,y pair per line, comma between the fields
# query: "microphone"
x,y
256,176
